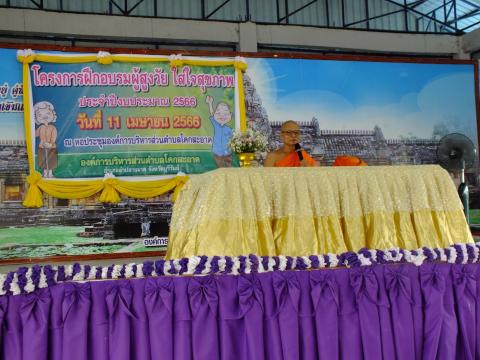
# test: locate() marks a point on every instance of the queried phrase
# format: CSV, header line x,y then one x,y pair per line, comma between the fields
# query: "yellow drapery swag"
x,y
110,187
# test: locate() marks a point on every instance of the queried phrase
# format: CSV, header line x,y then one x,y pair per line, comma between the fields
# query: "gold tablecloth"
x,y
304,211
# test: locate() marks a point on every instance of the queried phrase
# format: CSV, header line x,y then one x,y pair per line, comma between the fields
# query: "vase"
x,y
246,159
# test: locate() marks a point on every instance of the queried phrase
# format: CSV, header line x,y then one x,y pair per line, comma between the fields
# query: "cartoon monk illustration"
x,y
45,115
222,132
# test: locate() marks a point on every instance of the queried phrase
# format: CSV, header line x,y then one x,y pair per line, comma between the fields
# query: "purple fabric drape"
x,y
377,312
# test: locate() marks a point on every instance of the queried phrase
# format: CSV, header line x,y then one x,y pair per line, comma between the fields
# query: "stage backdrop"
x,y
385,112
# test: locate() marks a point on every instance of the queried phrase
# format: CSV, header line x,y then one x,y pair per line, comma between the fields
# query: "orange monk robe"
x,y
346,160
291,160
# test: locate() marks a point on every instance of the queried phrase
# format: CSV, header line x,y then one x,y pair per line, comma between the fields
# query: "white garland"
x,y
43,280
464,253
104,272
282,259
417,258
166,268
248,265
29,287
79,275
333,259
453,255
221,264
271,264
236,266
139,273
364,260
443,257
3,277
129,270
307,261
321,261
92,273
14,288
68,270
192,264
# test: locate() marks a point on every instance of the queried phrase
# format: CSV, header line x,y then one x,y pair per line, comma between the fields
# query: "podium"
x,y
304,211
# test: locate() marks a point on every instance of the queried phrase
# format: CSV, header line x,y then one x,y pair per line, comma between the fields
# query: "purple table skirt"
x,y
376,312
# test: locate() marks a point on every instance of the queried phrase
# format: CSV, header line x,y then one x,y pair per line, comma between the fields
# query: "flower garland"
x,y
28,279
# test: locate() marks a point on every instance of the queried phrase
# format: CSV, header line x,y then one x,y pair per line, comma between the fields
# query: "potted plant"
x,y
246,144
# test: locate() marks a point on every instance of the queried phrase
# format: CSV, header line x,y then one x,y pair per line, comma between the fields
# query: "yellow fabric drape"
x,y
304,211
111,187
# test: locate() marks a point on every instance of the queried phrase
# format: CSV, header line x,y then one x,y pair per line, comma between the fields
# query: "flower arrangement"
x,y
249,141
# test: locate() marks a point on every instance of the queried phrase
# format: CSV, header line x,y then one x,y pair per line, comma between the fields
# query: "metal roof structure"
x,y
430,16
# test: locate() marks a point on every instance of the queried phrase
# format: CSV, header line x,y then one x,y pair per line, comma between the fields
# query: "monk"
x,y
286,155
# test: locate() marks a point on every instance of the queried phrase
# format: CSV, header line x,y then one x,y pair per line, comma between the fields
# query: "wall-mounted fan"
x,y
456,153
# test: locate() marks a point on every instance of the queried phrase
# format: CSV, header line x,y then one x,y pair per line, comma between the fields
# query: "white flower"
x,y
240,59
271,263
248,266
104,272
116,271
235,266
175,57
333,259
283,262
79,275
25,53
390,257
68,270
443,257
177,266
192,264
129,270
166,267
464,253
248,141
453,255
321,261
364,260
208,266
14,288
29,287
103,54
43,280
139,273
307,261
418,259
221,264
3,277
55,273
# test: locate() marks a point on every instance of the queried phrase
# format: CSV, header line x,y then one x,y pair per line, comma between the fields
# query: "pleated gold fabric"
x,y
304,211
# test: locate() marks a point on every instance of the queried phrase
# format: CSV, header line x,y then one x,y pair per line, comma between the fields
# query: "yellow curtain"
x,y
110,188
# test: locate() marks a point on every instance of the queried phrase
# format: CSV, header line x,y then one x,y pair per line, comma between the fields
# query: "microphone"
x,y
298,150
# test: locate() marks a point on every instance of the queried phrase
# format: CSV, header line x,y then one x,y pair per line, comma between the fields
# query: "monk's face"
x,y
290,134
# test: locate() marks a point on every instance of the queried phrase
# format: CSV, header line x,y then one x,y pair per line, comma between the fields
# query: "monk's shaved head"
x,y
289,124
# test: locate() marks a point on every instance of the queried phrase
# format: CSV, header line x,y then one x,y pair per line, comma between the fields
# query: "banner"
x,y
386,113
135,118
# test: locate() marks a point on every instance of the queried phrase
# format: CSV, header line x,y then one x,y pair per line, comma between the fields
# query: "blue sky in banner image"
x,y
11,123
404,99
